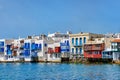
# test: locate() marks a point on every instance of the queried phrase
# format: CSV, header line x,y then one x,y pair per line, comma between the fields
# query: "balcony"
x,y
77,45
115,50
93,47
76,55
107,56
92,55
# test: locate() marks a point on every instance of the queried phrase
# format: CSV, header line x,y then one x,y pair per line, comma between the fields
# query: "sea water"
x,y
58,71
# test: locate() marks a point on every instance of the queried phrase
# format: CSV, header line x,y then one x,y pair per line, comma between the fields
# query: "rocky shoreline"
x,y
73,61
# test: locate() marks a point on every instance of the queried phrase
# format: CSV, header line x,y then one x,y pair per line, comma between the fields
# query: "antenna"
x,y
69,29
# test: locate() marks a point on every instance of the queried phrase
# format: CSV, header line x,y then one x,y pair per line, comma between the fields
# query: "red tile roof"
x,y
116,40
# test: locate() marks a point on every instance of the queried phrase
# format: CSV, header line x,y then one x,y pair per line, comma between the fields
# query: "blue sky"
x,y
28,17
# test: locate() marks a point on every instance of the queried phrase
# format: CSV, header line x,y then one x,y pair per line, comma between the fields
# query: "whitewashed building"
x,y
54,46
116,49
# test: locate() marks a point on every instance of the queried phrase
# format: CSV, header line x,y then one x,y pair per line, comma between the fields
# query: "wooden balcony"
x,y
93,47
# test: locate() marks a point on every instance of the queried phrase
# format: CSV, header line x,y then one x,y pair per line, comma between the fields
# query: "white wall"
x,y
3,40
42,53
54,57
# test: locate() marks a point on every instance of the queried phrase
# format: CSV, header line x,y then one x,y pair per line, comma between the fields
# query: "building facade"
x,y
58,47
93,50
65,48
77,42
116,49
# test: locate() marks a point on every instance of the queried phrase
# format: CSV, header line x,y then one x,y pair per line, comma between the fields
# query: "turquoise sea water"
x,y
56,71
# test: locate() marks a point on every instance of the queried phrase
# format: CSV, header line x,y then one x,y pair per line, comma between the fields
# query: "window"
x,y
89,52
115,46
67,42
33,46
8,47
84,39
1,43
36,46
76,50
73,50
112,46
97,45
99,52
80,50
58,55
55,55
27,53
72,40
80,41
1,49
76,41
110,53
96,52
50,55
45,45
27,46
39,46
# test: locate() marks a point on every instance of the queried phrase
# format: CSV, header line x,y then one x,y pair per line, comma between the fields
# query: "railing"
x,y
107,56
87,55
77,45
93,48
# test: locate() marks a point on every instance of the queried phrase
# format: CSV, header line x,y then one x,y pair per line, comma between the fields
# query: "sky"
x,y
35,17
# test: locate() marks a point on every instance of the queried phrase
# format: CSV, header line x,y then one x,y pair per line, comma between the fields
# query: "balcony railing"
x,y
76,55
107,56
77,45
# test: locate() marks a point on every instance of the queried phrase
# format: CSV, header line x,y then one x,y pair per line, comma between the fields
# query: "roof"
x,y
116,40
